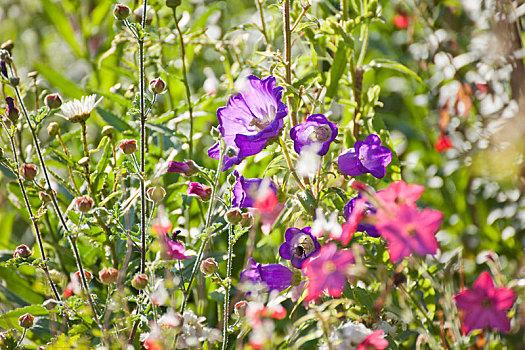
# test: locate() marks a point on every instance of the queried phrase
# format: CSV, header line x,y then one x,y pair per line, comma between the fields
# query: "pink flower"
x,y
485,306
200,191
172,247
375,341
327,271
443,143
408,231
399,192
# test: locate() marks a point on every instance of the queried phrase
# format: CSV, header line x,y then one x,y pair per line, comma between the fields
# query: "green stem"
x,y
364,45
344,9
142,156
227,291
287,33
258,4
289,163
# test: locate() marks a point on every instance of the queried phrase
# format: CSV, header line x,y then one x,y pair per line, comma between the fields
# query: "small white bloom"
x,y
309,160
78,111
320,226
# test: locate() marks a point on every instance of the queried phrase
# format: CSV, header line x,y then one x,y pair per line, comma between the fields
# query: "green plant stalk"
x,y
227,290
57,209
33,219
185,80
287,33
289,163
258,4
142,156
83,135
344,9
68,166
206,228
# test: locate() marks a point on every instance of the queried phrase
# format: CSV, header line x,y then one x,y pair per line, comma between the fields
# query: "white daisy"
x,y
78,111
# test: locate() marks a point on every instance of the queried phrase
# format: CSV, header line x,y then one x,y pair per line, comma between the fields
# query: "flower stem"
x,y
185,80
142,155
206,228
66,152
258,4
288,55
289,163
227,291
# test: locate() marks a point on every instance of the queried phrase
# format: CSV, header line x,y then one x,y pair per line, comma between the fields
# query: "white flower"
x,y
78,111
309,160
320,226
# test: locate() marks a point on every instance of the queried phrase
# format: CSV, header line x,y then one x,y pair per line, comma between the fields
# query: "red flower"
x,y
374,341
401,21
485,306
443,143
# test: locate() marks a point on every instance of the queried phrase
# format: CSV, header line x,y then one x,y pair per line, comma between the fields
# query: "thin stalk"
x,y
68,166
289,163
227,291
83,135
344,9
288,55
298,20
364,45
206,228
21,338
57,209
142,157
33,219
258,4
185,79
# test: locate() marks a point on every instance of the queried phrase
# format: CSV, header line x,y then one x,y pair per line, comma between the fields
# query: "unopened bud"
x,y
156,193
12,112
84,204
232,179
108,131
247,220
128,146
188,167
14,81
140,281
121,12
209,266
215,133
44,197
8,46
22,251
200,191
89,275
173,3
108,275
50,304
157,86
399,278
234,216
26,321
53,101
240,308
53,129
28,171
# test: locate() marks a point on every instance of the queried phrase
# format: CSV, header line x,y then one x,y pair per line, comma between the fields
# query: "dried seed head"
x,y
84,204
156,193
53,129
22,251
108,275
28,171
128,146
157,86
247,220
26,321
121,12
240,308
209,266
173,3
53,101
234,216
140,281
89,275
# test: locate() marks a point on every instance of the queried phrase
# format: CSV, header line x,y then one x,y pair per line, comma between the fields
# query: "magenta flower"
x,y
247,191
200,191
367,157
327,271
408,231
368,210
399,192
485,306
249,120
316,129
275,276
174,249
299,245
375,341
188,167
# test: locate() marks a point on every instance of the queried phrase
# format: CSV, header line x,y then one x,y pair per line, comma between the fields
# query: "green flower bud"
x,y
53,128
26,321
121,12
140,281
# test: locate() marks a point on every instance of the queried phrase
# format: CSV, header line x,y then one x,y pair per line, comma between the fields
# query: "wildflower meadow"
x,y
262,174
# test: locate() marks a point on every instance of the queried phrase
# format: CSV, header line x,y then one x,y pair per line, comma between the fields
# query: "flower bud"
x,y
14,81
89,275
53,129
53,101
108,275
297,278
240,308
234,216
12,112
28,171
8,46
215,133
200,191
121,12
137,14
140,281
157,86
44,197
209,266
156,193
247,220
128,146
399,278
188,167
50,304
84,204
173,3
26,321
22,251
84,161
1,153
232,179
108,131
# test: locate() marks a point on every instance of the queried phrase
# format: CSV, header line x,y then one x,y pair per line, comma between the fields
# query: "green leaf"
x,y
389,64
116,122
337,70
6,226
58,17
58,81
10,319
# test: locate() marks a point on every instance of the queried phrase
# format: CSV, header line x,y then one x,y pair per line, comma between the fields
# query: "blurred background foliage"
x,y
449,82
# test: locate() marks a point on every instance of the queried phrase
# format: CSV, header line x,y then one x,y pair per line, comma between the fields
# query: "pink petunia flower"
x,y
327,271
173,248
485,306
408,230
399,192
375,341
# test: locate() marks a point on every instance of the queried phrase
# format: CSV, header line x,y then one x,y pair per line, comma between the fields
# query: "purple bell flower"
x,y
368,209
249,120
367,157
246,191
316,129
299,246
275,276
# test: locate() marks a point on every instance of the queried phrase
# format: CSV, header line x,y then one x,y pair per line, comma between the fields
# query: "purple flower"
x,y
299,246
316,129
368,209
188,167
200,191
249,120
246,191
275,276
367,157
